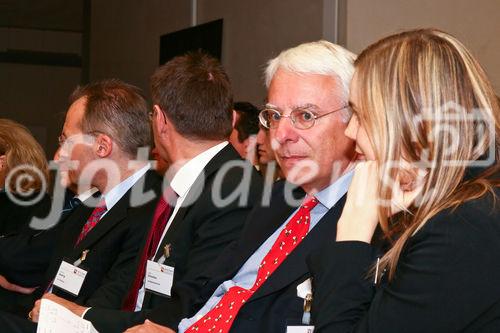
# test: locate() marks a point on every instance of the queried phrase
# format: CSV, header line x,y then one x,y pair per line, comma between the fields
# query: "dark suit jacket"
x,y
113,244
26,253
447,279
25,256
198,235
276,302
14,226
15,217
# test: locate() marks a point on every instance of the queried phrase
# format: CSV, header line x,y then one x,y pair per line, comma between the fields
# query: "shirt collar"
x,y
86,194
117,192
330,195
187,174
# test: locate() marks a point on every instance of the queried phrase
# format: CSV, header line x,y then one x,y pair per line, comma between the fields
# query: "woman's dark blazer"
x,y
447,278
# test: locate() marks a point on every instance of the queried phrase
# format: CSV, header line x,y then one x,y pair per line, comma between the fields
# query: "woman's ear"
x,y
410,177
103,146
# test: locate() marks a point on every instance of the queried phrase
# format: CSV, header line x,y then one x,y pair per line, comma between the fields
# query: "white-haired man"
x,y
261,282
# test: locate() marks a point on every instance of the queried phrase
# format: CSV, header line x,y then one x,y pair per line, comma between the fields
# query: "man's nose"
x,y
284,131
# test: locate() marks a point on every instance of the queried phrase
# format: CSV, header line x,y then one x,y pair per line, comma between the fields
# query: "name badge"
x,y
159,278
70,278
299,329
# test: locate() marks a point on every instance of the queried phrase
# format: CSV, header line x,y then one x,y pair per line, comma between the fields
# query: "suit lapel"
x,y
268,222
262,223
117,213
74,225
68,237
295,265
176,223
226,154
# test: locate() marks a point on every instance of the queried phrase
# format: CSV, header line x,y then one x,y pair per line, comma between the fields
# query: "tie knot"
x,y
101,207
309,202
169,196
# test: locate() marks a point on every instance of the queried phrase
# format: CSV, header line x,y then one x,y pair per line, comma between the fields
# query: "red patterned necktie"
x,y
163,210
92,221
220,318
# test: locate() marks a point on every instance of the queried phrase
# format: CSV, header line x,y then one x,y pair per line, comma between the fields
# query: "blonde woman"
x,y
427,122
23,176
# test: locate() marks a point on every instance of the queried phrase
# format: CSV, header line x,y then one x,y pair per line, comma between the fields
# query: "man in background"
x,y
245,128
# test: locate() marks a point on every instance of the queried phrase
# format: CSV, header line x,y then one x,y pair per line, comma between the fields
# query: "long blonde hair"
x,y
423,96
21,148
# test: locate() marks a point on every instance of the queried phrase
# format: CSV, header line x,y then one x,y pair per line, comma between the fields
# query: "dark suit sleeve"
x,y
446,278
113,321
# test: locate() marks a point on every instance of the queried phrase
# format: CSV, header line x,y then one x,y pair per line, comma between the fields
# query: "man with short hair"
x,y
245,128
105,126
261,282
214,189
264,154
106,123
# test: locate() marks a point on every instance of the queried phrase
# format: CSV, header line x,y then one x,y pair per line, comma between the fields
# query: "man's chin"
x,y
299,179
290,164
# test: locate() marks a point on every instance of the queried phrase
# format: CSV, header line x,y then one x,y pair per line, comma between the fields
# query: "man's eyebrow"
x,y
306,106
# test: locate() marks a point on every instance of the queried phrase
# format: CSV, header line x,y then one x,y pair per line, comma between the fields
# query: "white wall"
x,y
475,23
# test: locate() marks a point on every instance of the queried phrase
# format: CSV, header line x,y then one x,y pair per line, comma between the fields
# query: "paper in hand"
x,y
55,318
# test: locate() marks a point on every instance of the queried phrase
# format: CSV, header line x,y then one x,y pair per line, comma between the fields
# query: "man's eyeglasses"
x,y
69,141
301,118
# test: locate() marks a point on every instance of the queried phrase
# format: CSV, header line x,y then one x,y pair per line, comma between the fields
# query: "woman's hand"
x,y
4,283
407,188
360,214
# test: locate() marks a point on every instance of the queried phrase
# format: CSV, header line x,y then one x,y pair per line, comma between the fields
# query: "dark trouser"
x,y
10,323
15,303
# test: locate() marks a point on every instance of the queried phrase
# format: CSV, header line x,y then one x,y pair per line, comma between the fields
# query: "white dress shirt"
x,y
117,192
